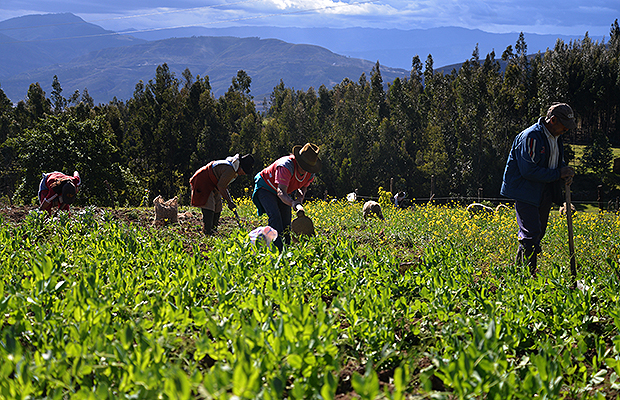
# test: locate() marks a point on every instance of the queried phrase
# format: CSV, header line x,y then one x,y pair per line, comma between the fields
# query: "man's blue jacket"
x,y
527,171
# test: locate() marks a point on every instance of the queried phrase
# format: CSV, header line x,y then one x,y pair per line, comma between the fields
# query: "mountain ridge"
x,y
393,47
114,72
109,64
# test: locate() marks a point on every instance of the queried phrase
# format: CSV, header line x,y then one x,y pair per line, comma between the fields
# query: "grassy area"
x,y
579,149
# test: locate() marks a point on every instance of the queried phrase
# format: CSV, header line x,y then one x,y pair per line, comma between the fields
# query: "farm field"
x,y
101,303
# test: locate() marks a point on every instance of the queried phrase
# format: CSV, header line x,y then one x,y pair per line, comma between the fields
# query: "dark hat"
x,y
308,157
246,163
564,113
68,193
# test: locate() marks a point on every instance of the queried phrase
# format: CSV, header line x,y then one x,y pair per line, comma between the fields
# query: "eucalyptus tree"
x,y
440,142
346,145
408,116
383,155
499,135
154,129
377,106
471,107
280,127
58,101
597,157
237,103
37,104
8,129
6,111
85,146
406,121
553,79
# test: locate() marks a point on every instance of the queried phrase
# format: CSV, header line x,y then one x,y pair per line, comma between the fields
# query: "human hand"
x,y
567,172
296,205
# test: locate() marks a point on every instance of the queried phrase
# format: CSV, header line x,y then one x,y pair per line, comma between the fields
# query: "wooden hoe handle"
x,y
571,244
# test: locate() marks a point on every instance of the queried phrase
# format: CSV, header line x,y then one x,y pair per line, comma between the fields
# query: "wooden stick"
x,y
571,244
237,218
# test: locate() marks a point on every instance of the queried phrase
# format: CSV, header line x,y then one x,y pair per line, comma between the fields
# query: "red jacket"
x,y
203,182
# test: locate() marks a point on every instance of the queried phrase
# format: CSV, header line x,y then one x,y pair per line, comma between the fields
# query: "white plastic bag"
x,y
264,234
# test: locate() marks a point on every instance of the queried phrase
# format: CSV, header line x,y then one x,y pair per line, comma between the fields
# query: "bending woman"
x,y
275,185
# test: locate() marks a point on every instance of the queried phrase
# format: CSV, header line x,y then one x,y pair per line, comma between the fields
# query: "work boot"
x,y
530,256
519,256
207,221
216,220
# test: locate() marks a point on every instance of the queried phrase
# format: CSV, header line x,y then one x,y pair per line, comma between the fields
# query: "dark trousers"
x,y
210,220
279,215
532,221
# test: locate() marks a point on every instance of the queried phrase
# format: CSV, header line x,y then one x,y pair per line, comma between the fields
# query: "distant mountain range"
x,y
393,47
34,48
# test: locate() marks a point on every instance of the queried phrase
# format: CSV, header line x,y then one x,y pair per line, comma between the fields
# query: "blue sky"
x,y
566,17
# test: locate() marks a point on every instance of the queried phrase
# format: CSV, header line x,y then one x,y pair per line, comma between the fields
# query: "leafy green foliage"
x,y
95,307
65,144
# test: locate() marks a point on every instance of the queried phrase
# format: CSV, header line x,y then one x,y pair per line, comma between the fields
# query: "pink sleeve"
x,y
283,176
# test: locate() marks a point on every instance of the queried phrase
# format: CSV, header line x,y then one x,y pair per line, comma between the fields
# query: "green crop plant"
x,y
426,304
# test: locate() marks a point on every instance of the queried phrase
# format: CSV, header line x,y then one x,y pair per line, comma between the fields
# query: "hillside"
x,y
35,41
111,72
393,47
18,57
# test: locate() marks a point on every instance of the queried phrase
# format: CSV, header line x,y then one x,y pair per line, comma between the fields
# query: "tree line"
x,y
455,127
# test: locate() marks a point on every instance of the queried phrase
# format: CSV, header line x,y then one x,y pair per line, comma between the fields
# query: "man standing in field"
x,y
532,178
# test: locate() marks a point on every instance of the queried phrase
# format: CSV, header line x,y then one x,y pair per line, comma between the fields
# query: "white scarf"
x,y
234,160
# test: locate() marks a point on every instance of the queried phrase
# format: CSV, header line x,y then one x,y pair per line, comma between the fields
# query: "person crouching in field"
x,y
211,182
372,208
58,189
532,176
274,185
399,199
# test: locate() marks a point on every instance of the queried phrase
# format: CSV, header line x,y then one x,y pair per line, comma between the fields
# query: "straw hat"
x,y
308,157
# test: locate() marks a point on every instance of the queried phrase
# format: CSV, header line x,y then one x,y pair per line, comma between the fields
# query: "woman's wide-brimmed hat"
x,y
308,157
